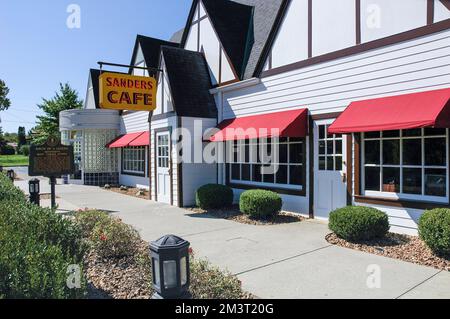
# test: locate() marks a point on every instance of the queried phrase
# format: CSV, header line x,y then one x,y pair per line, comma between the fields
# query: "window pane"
x,y
338,163
338,146
321,132
415,132
296,175
330,147
391,152
295,153
372,178
372,152
391,179
257,177
283,153
372,135
245,172
435,152
268,178
235,172
322,147
412,180
282,174
435,182
296,139
391,133
322,163
412,152
247,152
434,131
330,163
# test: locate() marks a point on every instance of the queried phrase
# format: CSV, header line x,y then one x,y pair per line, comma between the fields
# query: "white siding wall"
x,y
333,25
196,175
382,18
164,101
440,11
419,65
133,122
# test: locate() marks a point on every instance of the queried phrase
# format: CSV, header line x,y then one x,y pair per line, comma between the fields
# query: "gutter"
x,y
236,86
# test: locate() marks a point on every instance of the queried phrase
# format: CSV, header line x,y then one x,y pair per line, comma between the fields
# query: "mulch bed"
x,y
234,214
131,191
403,247
125,278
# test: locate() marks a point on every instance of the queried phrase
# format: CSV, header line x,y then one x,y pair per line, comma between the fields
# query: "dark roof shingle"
x,y
190,83
151,49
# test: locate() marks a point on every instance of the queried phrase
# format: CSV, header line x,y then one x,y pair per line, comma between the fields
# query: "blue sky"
x,y
38,50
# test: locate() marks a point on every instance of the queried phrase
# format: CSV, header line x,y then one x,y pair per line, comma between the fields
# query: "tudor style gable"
x,y
311,28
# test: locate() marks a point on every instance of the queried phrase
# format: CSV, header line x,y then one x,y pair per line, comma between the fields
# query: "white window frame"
x,y
400,195
251,162
128,163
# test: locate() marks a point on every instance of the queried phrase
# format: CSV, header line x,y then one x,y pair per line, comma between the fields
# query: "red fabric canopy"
x,y
280,124
142,140
409,111
124,140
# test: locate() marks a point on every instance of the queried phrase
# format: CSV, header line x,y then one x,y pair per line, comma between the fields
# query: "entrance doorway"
x,y
330,185
163,164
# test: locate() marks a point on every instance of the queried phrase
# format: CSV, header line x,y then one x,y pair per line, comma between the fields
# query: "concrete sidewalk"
x,y
281,261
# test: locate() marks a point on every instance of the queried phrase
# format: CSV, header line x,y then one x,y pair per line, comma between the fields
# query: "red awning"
x,y
124,140
142,140
280,124
409,111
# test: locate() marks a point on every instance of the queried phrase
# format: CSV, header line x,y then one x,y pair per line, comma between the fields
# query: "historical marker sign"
x,y
51,159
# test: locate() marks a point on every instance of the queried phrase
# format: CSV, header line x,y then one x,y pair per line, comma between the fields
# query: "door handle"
x,y
344,178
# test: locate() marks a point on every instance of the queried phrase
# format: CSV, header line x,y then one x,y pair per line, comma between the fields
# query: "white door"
x,y
163,167
330,184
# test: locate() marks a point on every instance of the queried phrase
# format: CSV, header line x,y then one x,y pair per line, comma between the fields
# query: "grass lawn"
x,y
13,160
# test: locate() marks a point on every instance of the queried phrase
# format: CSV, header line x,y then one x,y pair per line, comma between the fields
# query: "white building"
x,y
297,66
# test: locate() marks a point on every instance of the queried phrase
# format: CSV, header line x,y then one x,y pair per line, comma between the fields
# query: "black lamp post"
x,y
170,267
10,174
34,188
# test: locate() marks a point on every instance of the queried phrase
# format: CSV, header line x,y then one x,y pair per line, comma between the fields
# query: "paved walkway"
x,y
281,261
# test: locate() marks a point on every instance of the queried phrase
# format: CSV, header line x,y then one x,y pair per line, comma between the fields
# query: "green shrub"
x,y
209,282
355,223
114,239
88,219
36,247
8,191
260,203
214,196
7,150
24,150
434,230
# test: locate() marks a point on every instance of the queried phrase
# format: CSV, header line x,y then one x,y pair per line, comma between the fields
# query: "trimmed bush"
x,y
214,196
356,223
24,150
37,247
114,239
434,230
260,203
7,150
88,219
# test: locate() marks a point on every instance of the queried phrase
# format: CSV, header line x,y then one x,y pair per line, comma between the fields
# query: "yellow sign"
x,y
127,92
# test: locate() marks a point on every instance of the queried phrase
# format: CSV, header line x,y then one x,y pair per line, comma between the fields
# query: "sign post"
x,y
52,159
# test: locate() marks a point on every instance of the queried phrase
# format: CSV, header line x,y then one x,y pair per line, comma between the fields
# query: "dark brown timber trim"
x,y
430,11
399,203
309,31
446,3
163,116
349,162
404,36
180,170
358,21
326,116
357,163
311,167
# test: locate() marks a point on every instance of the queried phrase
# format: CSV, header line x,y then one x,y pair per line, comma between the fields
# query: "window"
x,y
330,150
250,163
163,151
133,160
410,163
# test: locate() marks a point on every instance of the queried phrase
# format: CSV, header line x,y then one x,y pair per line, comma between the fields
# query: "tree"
x,y
4,101
21,137
48,124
